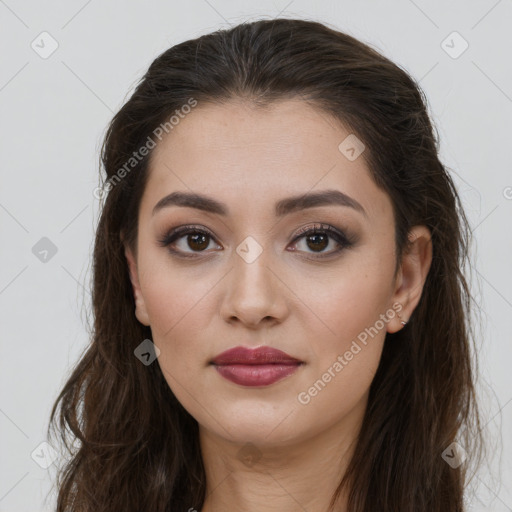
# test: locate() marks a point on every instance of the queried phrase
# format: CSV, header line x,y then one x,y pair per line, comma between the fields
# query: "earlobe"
x,y
416,262
140,306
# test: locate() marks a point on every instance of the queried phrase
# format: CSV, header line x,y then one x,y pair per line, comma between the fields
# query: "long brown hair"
x,y
137,447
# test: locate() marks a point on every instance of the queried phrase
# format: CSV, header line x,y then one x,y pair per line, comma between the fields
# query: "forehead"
x,y
255,156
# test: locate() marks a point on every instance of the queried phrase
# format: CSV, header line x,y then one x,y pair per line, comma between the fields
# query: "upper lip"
x,y
259,355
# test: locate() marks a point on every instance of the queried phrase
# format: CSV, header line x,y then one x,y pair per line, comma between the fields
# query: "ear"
x,y
140,306
411,276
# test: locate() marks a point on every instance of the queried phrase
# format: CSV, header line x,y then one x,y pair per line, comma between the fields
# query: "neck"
x,y
282,476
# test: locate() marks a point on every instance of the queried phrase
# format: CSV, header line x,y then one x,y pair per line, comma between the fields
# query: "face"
x,y
257,275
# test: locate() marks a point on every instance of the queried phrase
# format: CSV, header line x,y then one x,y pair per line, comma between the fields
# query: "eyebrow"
x,y
282,207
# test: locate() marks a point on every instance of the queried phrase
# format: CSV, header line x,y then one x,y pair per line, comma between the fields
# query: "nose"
x,y
255,294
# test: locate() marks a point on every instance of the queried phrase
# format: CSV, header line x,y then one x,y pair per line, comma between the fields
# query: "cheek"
x,y
178,305
171,292
175,326
348,346
353,347
346,307
345,360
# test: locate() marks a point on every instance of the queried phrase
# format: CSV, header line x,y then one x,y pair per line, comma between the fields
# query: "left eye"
x,y
317,239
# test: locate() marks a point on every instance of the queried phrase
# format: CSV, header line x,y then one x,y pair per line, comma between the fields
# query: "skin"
x,y
312,309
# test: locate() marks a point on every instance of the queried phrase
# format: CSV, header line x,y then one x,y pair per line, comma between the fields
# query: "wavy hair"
x,y
133,453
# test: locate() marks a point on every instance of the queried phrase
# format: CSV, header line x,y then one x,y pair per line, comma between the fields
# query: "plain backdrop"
x,y
68,66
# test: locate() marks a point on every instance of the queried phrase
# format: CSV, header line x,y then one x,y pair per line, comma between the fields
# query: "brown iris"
x,y
318,246
200,239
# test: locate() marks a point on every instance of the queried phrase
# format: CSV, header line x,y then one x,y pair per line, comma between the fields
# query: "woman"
x,y
281,314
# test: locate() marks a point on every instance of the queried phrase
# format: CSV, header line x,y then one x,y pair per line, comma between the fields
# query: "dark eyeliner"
x,y
177,233
345,241
173,234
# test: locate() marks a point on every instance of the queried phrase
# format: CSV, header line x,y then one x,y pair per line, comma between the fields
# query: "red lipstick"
x,y
260,366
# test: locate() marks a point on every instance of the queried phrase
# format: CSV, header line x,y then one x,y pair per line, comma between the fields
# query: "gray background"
x,y
54,112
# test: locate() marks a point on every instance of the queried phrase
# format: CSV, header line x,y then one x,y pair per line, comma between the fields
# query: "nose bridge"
x,y
253,293
251,260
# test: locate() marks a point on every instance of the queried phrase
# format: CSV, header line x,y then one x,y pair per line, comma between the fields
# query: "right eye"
x,y
195,238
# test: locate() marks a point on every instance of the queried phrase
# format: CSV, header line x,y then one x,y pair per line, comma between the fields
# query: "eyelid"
x,y
175,233
343,238
185,229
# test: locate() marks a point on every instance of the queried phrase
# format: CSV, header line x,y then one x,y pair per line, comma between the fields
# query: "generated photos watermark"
x,y
143,151
305,397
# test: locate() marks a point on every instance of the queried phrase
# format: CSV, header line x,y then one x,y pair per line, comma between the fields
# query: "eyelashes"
x,y
175,234
326,231
321,234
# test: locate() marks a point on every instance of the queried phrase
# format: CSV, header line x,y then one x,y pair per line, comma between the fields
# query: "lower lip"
x,y
256,374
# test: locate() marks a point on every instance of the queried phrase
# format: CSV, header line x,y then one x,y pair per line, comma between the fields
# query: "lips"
x,y
261,366
248,356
